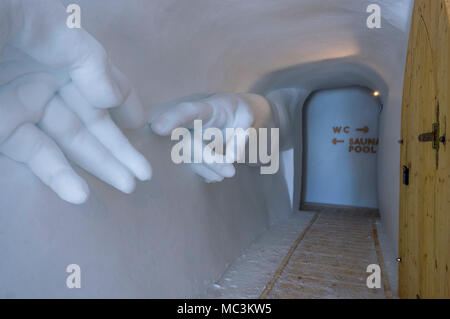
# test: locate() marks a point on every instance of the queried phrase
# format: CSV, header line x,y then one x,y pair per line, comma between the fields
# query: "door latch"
x,y
432,137
443,139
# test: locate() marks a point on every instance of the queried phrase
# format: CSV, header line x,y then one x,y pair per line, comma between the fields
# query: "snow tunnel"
x,y
176,235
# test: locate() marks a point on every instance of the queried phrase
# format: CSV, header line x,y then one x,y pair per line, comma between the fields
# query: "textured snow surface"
x,y
248,275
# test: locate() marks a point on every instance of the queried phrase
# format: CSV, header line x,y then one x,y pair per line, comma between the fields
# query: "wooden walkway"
x,y
329,259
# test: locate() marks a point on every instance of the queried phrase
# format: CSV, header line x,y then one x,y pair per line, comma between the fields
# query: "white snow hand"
x,y
220,111
57,89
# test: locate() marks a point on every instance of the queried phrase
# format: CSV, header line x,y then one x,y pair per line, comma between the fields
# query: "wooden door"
x,y
424,225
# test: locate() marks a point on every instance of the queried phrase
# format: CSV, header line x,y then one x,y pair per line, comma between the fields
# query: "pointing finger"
x,y
181,115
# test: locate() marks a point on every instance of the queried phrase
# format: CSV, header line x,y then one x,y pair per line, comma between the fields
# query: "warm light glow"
x,y
376,93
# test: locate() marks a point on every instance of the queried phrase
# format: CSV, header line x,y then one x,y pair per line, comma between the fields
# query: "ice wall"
x,y
175,234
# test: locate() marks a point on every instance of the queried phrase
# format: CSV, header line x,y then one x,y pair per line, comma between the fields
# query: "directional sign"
x,y
365,129
335,141
338,129
356,144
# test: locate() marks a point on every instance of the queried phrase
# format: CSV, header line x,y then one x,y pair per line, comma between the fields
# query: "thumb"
x,y
40,30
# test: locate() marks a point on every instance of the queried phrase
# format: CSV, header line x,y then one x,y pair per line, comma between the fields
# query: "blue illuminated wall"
x,y
340,129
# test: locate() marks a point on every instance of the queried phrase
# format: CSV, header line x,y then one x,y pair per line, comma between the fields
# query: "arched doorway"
x,y
340,141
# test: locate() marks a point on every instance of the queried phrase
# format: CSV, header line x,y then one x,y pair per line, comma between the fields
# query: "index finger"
x,y
181,115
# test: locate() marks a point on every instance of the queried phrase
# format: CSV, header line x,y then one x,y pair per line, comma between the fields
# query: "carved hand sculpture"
x,y
221,111
57,87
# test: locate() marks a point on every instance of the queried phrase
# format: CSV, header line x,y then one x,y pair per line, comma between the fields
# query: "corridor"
x,y
254,149
327,258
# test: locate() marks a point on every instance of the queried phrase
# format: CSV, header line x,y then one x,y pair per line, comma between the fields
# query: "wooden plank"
x,y
424,204
440,42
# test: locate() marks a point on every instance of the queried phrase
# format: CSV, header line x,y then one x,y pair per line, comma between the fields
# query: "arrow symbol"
x,y
365,129
335,141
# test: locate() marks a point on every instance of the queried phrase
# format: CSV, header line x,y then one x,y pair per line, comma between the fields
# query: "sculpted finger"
x,y
181,115
83,148
131,114
100,125
23,101
209,175
32,147
62,47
